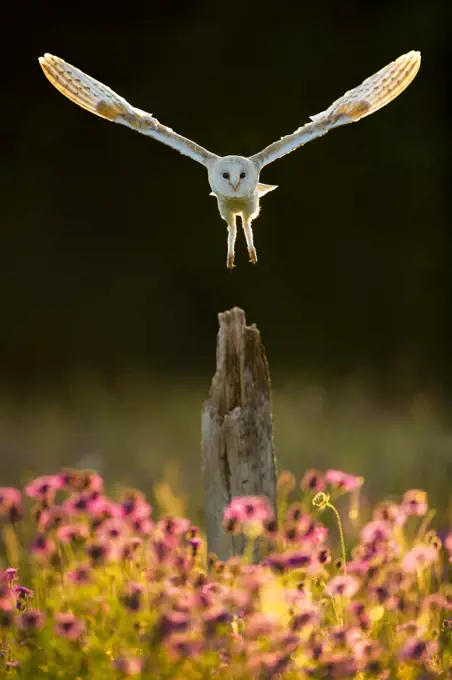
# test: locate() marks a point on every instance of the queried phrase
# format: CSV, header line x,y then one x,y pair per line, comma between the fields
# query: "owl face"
x,y
233,177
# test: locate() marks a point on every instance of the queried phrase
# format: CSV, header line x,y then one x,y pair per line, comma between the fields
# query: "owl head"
x,y
233,177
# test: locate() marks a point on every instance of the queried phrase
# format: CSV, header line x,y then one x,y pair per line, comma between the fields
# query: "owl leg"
x,y
232,235
246,225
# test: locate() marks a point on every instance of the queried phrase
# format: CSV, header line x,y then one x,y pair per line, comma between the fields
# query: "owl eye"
x,y
242,175
226,175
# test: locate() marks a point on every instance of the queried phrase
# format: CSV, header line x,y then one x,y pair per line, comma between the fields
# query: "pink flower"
x,y
9,575
100,552
133,596
128,665
416,649
343,585
43,488
341,480
51,518
133,505
419,557
70,533
11,505
313,480
68,626
8,496
376,531
320,534
81,480
415,502
42,547
248,509
390,512
80,575
31,620
113,529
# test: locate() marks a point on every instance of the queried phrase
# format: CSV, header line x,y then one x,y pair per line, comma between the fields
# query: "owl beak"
x,y
234,186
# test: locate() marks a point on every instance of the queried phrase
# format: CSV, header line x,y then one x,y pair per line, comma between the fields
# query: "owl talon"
x,y
253,255
230,263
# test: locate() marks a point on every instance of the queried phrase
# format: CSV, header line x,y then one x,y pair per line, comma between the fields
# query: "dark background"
x,y
114,253
112,257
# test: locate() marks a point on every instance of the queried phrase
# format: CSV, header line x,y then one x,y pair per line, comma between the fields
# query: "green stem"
x,y
341,533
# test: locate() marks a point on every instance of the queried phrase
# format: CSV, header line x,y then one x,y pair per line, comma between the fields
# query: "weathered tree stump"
x,y
237,435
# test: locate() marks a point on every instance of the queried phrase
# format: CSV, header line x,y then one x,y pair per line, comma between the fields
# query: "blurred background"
x,y
109,305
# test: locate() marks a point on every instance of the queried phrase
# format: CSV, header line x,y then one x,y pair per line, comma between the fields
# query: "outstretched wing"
x,y
102,101
375,92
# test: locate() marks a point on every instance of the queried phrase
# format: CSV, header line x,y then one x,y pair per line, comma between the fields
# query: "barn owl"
x,y
234,180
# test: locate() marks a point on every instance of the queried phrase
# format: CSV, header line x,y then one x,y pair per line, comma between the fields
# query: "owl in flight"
x,y
234,180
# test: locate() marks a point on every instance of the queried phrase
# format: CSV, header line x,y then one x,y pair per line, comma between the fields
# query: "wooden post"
x,y
237,434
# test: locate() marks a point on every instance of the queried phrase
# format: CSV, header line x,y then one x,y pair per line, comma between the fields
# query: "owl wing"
x,y
375,92
96,97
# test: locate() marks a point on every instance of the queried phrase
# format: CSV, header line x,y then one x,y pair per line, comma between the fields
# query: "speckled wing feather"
x,y
376,91
99,99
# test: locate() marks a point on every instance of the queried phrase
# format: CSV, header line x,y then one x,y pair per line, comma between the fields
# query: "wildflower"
x,y
345,586
112,529
130,547
215,617
258,625
133,596
415,502
68,626
313,480
172,528
342,481
81,575
269,664
43,488
376,531
42,547
416,649
298,559
11,506
286,482
183,646
72,533
305,618
324,556
249,508
142,526
9,575
419,557
172,622
31,621
195,543
50,518
81,480
128,665
23,594
390,512
134,506
161,549
99,552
